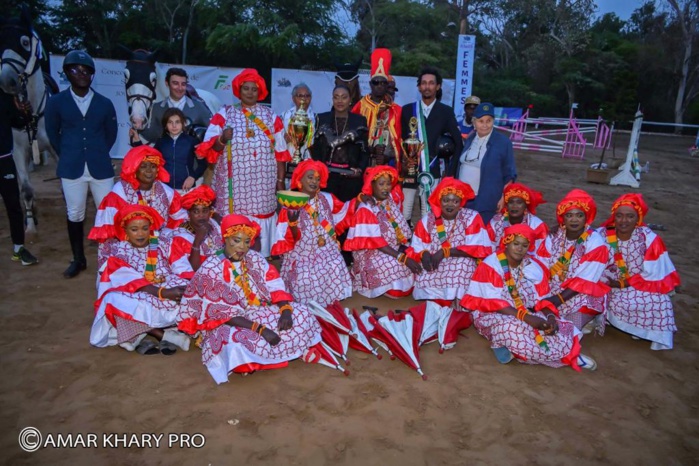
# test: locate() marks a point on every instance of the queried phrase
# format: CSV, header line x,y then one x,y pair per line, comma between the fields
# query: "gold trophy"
x,y
412,147
298,128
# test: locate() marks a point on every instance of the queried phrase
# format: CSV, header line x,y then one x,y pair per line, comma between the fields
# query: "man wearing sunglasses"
x,y
82,127
381,113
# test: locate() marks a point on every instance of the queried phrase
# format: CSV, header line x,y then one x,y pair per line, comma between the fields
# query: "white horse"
x,y
22,77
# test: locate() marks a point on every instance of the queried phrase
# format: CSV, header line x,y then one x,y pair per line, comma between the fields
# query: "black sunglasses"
x,y
376,82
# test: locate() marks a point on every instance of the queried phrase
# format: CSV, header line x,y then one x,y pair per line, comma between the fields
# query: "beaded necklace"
x,y
324,224
441,233
152,260
519,304
392,220
560,267
146,200
242,280
613,241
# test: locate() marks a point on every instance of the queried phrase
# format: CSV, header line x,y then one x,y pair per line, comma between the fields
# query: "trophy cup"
x,y
412,147
298,128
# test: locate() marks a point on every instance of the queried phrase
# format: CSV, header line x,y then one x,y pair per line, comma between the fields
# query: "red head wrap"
x,y
132,212
531,197
376,172
632,200
303,167
233,223
202,195
449,185
520,229
577,199
250,75
133,160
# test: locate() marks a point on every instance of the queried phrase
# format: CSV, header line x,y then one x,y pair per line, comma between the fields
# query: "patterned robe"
x,y
488,293
310,271
373,272
177,246
584,275
213,297
643,308
121,311
451,279
497,226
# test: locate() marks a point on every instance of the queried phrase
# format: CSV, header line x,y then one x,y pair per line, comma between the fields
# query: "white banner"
x,y
322,83
465,56
109,81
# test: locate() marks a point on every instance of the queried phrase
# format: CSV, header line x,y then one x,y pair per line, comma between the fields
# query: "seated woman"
x,y
142,182
312,265
520,207
188,246
576,256
238,303
448,241
378,238
137,293
640,274
505,294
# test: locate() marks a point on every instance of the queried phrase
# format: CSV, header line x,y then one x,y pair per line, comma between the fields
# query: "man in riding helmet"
x,y
82,127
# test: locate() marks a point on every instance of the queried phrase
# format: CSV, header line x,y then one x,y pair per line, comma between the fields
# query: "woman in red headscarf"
x,y
142,182
447,242
137,293
520,207
307,239
576,256
188,246
246,142
378,237
246,317
505,294
640,273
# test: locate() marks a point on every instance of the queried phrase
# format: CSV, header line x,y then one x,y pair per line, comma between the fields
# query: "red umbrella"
x,y
398,331
368,320
442,323
335,327
452,322
426,317
320,353
359,336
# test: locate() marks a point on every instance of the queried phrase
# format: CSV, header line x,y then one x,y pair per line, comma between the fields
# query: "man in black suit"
x,y
434,119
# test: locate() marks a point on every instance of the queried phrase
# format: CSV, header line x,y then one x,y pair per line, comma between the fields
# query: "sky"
x,y
622,8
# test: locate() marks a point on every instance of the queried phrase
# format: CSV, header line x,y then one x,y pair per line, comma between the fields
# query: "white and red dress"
x,y
214,296
451,279
245,180
177,247
499,222
488,293
312,267
121,311
374,272
643,308
584,275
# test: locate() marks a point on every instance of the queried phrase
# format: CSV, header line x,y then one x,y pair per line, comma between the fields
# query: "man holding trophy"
x,y
299,125
382,115
424,122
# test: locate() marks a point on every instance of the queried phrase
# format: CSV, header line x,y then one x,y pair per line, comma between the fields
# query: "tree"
x,y
686,16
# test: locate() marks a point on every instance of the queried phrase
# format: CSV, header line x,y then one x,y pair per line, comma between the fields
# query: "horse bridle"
x,y
147,100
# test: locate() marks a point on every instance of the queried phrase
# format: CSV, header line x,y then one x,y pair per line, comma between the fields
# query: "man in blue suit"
x,y
487,163
82,127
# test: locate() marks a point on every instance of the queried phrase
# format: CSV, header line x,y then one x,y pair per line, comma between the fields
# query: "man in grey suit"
x,y
196,112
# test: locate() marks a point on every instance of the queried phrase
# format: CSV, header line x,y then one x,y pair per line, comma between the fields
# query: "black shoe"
x,y
75,267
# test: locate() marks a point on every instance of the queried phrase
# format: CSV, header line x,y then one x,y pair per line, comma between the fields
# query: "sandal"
x,y
167,348
147,347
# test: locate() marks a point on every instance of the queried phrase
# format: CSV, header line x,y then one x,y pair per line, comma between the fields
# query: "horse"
x,y
144,87
348,75
21,76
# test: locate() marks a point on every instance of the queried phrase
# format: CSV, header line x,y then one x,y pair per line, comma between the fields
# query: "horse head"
x,y
21,52
348,74
140,81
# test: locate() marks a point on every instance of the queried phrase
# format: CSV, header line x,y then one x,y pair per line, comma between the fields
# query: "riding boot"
x,y
79,263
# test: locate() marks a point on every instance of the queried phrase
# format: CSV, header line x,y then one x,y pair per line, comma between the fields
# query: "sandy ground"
x,y
640,407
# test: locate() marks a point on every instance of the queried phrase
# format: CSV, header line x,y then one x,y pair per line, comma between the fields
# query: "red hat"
x,y
233,223
202,195
449,185
133,160
632,200
520,229
132,212
250,75
531,197
381,63
577,199
303,167
376,172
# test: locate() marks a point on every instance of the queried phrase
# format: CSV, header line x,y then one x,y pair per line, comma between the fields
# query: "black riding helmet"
x,y
445,146
78,57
